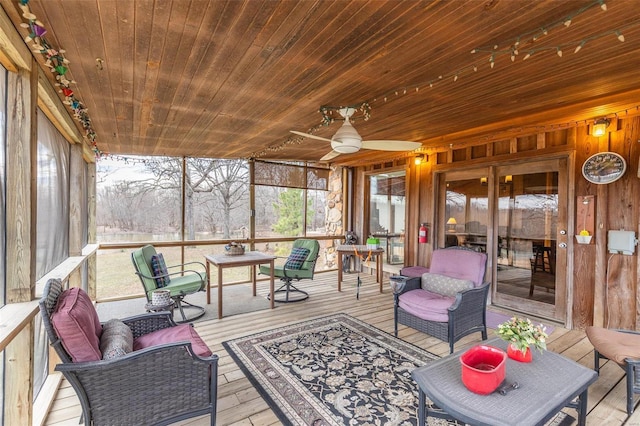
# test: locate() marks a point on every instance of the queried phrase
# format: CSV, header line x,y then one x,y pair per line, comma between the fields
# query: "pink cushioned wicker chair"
x,y
167,374
447,300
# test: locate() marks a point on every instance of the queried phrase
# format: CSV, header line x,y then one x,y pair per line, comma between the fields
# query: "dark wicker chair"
x,y
158,385
623,348
467,314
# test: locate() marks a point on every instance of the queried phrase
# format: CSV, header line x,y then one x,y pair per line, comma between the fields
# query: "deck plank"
x,y
240,404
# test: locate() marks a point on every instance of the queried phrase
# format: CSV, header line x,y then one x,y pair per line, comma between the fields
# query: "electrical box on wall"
x,y
623,242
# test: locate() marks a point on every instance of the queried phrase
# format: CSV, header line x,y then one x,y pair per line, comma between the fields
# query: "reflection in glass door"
x,y
387,207
466,213
531,214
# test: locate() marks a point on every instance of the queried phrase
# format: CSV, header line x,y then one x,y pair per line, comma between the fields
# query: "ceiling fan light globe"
x,y
346,145
346,140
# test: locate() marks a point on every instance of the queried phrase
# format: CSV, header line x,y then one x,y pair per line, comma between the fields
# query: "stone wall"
x,y
333,215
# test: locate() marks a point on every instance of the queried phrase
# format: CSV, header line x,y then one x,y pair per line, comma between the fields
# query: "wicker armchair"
x,y
157,385
448,300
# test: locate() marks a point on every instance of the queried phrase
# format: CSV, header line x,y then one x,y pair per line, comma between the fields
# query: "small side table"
x,y
150,307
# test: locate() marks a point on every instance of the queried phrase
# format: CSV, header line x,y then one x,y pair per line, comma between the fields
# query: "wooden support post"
x,y
18,372
92,231
76,201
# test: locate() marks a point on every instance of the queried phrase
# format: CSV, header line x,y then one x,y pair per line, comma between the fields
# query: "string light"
x,y
513,52
59,66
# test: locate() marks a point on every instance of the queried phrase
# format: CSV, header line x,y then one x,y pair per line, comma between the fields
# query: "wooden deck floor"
x,y
239,403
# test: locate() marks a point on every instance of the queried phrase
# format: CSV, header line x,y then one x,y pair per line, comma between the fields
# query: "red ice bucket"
x,y
483,368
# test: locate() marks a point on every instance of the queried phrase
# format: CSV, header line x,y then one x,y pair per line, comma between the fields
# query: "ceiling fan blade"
x,y
389,145
307,135
330,156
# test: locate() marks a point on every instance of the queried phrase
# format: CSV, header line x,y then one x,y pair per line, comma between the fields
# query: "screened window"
x,y
52,236
139,199
290,200
217,199
53,197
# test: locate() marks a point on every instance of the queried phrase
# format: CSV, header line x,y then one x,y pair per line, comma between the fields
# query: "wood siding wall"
x,y
603,288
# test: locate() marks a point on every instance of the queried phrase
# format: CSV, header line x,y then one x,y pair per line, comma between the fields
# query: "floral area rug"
x,y
334,370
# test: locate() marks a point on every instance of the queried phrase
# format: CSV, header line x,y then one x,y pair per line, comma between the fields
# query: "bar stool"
x,y
541,260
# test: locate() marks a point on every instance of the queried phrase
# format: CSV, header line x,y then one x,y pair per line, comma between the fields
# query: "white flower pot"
x,y
583,239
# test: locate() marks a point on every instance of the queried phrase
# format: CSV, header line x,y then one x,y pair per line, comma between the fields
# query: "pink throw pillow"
x,y
76,322
178,333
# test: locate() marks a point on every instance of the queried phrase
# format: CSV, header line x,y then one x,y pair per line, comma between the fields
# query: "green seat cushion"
x,y
278,272
183,285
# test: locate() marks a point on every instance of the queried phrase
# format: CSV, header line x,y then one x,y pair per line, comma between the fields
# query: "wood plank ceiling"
x,y
230,79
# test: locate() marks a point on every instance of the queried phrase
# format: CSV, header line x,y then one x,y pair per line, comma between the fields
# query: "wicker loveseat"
x,y
142,370
447,300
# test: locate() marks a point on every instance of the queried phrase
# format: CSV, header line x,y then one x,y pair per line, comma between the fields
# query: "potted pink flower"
x,y
522,334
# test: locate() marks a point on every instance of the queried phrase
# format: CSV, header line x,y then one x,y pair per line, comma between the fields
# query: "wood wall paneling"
x,y
621,273
588,302
601,290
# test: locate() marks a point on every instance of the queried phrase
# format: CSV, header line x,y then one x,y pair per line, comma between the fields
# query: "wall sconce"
x,y
451,224
508,179
600,127
483,180
419,159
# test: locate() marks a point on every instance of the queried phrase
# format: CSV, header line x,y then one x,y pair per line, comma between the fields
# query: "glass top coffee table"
x,y
545,386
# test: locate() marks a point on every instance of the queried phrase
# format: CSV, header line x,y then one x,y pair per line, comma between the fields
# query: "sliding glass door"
x,y
531,240
517,214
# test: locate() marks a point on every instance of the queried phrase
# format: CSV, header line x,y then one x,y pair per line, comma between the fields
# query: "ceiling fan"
x,y
347,140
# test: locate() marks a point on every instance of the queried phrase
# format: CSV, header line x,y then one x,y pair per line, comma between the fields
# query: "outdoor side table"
x,y
546,385
249,258
363,250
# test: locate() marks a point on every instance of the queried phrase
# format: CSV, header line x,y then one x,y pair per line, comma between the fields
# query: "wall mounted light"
x,y
419,159
508,179
483,180
600,127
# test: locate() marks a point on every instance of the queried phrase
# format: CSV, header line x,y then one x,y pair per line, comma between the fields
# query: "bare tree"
x,y
214,189
225,180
